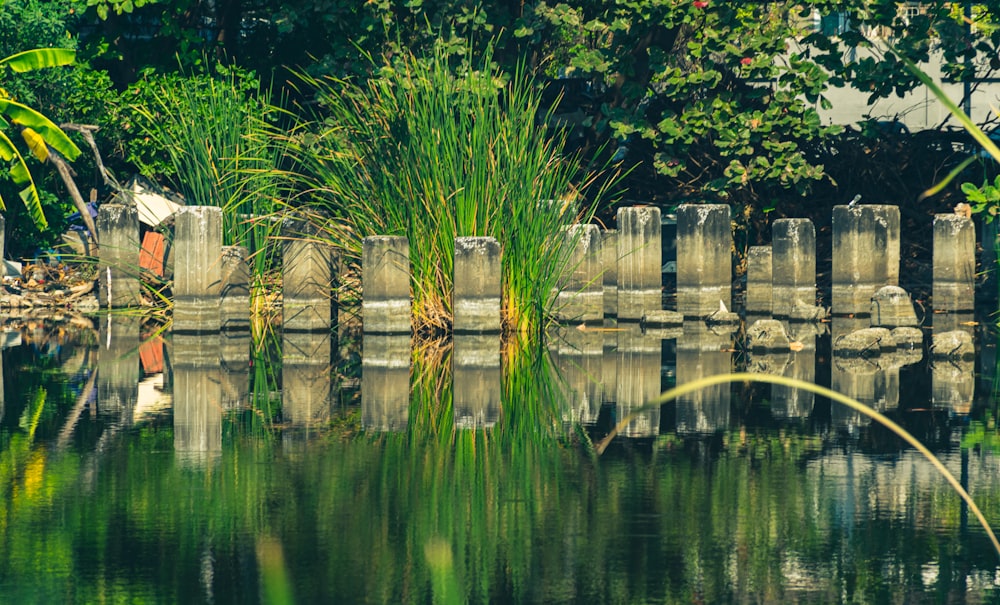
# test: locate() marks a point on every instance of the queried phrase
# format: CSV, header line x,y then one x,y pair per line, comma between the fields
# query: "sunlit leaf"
x,y
52,134
36,144
948,178
39,58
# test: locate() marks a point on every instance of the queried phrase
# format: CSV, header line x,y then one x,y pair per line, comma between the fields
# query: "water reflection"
x,y
704,351
579,356
953,380
385,382
476,374
118,368
197,399
639,356
306,382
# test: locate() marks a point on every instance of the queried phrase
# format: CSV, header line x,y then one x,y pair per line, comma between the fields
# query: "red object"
x,y
701,4
746,60
152,252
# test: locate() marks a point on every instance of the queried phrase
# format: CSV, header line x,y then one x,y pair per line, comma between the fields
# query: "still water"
x,y
192,470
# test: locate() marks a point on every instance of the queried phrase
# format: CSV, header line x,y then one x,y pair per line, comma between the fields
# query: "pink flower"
x,y
746,61
701,3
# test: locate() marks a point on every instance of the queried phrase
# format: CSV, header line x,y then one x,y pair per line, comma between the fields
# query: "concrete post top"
x,y
470,244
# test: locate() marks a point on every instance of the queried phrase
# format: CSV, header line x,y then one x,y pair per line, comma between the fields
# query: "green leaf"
x,y
39,58
52,134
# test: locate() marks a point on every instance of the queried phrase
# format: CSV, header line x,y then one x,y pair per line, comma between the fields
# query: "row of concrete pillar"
x,y
610,273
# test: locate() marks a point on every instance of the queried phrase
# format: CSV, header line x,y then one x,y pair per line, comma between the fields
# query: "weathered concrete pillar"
x,y
578,355
580,297
703,352
609,263
891,307
954,271
476,293
118,368
118,269
306,382
704,259
234,303
865,255
197,269
197,388
639,257
307,281
385,382
759,282
793,241
639,357
477,380
385,285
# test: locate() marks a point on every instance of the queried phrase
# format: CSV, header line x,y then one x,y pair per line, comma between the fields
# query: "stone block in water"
x,y
704,259
891,307
867,342
955,344
307,280
197,269
118,269
477,285
767,335
954,270
759,286
793,261
234,304
639,262
385,285
865,255
580,297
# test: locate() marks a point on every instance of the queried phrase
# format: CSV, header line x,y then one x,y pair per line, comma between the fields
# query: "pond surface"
x,y
301,474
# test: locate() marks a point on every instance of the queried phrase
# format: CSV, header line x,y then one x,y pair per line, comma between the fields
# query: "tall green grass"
x,y
220,136
430,152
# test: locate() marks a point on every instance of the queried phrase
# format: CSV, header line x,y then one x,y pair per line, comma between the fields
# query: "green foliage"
x,y
220,147
423,152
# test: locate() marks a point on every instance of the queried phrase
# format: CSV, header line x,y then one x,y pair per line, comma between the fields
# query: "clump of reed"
x,y
431,152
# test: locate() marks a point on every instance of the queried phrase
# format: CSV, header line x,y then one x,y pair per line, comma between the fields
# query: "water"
x,y
265,481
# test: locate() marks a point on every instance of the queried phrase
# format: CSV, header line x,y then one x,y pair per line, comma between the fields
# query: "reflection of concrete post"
x,y
953,385
579,358
234,304
788,402
954,263
235,357
385,285
581,287
704,259
853,377
638,381
306,281
118,367
118,269
865,255
307,388
639,262
385,382
609,268
794,264
702,352
477,380
476,295
197,399
197,269
759,288
947,322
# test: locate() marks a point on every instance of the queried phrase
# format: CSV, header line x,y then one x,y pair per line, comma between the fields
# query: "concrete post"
x,y
639,256
477,380
118,269
759,287
197,269
793,241
476,294
197,391
385,285
234,305
865,255
580,297
704,259
609,268
307,280
385,382
954,273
